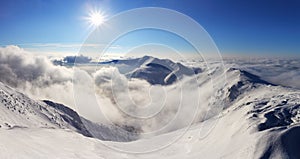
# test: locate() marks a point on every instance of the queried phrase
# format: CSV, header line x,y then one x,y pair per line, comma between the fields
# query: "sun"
x,y
96,18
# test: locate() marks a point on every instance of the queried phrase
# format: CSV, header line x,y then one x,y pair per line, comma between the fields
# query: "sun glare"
x,y
96,18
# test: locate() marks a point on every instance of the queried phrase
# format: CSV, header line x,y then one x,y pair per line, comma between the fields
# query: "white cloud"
x,y
35,75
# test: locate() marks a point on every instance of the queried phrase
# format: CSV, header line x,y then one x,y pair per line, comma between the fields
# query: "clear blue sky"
x,y
270,27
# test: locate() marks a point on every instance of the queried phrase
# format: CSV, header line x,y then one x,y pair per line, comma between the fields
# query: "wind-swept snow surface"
x,y
19,111
260,120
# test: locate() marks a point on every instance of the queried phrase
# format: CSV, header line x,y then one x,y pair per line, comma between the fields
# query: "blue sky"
x,y
267,27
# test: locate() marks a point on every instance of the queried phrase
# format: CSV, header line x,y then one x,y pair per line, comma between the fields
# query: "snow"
x,y
19,111
260,120
46,143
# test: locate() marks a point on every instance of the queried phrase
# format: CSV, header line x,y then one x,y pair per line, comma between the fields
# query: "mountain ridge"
x,y
19,111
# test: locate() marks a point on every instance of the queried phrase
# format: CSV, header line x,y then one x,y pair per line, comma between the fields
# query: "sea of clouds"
x,y
123,101
132,102
283,71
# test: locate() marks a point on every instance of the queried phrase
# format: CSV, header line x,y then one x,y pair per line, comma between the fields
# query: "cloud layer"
x,y
35,75
130,102
124,101
283,71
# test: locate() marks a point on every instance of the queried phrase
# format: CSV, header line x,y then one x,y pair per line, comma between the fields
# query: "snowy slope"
x,y
19,111
260,120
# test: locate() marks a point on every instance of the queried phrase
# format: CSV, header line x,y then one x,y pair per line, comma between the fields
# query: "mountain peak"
x,y
245,76
242,81
160,71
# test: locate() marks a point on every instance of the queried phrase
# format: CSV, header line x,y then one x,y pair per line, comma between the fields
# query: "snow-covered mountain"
x,y
260,120
19,111
153,70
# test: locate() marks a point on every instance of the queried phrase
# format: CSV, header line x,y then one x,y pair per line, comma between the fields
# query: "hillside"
x,y
259,120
